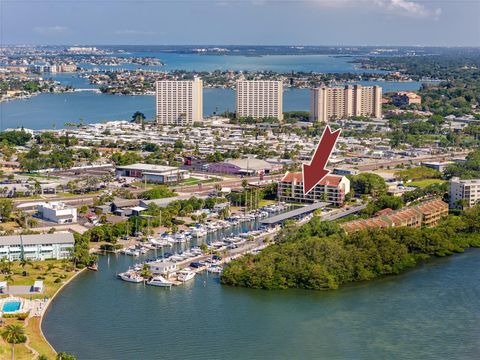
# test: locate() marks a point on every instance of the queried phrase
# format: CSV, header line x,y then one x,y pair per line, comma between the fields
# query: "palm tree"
x,y
14,334
65,356
139,118
5,266
24,262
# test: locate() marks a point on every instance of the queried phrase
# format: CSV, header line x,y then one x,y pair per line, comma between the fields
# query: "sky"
x,y
241,22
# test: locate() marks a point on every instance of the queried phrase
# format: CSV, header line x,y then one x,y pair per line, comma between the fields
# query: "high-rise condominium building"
x,y
179,102
260,99
464,193
329,103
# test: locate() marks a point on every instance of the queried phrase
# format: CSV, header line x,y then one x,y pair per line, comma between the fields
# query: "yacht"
x,y
132,252
199,231
185,275
131,276
215,269
159,280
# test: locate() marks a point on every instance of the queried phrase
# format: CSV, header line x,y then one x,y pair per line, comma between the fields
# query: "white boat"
x,y
131,252
199,232
215,269
185,275
131,276
159,280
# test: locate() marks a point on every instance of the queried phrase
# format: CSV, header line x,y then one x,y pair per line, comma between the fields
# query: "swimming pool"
x,y
11,306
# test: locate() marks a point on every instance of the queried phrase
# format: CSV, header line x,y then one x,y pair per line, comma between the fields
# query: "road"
x,y
383,163
87,199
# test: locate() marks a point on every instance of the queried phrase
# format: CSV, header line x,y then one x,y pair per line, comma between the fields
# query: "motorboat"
x,y
185,275
131,252
131,276
215,269
160,281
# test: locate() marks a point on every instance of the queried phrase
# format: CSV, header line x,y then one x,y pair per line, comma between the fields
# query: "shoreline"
x,y
50,302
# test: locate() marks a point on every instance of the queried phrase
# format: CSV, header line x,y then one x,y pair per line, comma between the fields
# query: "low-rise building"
x,y
58,212
428,213
406,98
248,166
332,188
464,193
37,247
158,174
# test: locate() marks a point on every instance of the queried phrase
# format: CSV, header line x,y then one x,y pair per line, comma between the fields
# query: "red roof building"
x,y
332,188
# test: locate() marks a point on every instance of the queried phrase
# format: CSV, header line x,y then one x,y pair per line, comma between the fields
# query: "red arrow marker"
x,y
314,172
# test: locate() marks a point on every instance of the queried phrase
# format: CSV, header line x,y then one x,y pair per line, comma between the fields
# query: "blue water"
x,y
11,306
431,312
279,63
46,110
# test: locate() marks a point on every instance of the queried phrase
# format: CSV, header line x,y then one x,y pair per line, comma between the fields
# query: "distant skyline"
x,y
241,22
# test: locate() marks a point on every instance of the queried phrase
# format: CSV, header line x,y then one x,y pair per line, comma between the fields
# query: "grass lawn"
x,y
426,182
54,274
266,202
194,181
36,175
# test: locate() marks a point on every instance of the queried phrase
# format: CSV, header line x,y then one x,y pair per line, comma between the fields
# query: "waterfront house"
x,y
162,267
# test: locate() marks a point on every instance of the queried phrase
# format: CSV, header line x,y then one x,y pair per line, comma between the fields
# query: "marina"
x,y
222,241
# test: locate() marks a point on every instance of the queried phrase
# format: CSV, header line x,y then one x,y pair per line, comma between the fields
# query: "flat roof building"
x,y
58,212
248,166
153,173
179,102
464,193
259,99
334,103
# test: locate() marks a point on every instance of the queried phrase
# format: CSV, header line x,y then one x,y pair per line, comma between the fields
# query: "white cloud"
x,y
50,30
396,7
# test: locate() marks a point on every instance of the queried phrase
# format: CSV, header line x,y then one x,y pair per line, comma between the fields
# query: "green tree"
x,y
368,184
6,208
14,334
64,356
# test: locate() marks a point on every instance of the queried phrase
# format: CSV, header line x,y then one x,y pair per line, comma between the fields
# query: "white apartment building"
x,y
37,247
58,212
179,102
464,193
260,99
327,103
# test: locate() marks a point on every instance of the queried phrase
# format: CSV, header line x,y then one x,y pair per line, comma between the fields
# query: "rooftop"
x,y
39,239
332,180
294,213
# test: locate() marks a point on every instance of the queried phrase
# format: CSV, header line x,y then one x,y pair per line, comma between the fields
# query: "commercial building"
x,y
179,102
464,193
428,213
36,247
332,189
260,99
327,103
406,98
248,166
58,212
158,174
